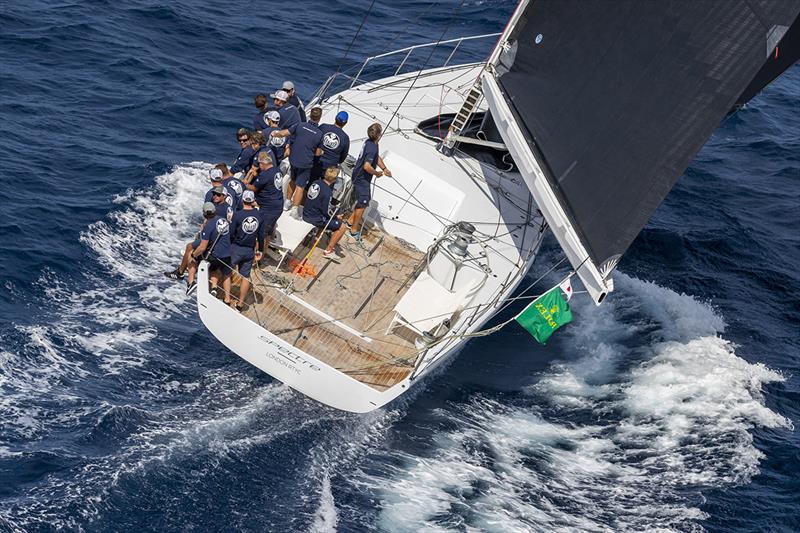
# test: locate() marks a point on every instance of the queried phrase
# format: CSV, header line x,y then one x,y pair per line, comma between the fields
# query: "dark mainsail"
x,y
614,99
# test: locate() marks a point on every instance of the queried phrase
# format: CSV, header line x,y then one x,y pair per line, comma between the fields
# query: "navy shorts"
x,y
242,257
220,263
196,243
301,176
268,216
362,190
317,171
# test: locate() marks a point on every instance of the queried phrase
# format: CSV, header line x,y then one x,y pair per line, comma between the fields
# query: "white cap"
x,y
282,95
215,174
273,115
287,86
248,197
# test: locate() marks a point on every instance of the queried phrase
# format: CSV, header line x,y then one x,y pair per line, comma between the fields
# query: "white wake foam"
x,y
652,408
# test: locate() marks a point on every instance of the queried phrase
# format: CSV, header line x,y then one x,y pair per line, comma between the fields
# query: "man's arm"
x,y
382,166
200,249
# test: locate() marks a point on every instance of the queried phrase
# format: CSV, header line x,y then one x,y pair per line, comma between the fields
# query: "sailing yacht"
x,y
580,121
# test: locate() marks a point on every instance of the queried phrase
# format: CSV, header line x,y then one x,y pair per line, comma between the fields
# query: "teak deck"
x,y
340,315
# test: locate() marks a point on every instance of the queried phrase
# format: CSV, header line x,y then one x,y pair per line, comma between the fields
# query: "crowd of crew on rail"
x,y
248,197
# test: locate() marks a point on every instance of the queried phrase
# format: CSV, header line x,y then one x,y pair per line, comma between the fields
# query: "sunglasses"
x,y
244,140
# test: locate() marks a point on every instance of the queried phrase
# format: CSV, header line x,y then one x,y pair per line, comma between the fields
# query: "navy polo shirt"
x,y
267,185
369,153
317,208
244,228
276,144
243,160
217,232
306,138
335,145
289,116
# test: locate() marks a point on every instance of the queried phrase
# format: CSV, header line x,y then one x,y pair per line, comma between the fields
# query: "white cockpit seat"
x,y
289,233
427,304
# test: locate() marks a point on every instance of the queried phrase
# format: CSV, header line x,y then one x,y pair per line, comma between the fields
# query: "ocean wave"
x,y
651,409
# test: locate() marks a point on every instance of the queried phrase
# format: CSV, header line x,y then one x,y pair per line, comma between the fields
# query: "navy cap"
x,y
342,116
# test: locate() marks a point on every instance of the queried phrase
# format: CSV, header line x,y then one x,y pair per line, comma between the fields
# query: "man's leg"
x,y
355,219
187,259
335,237
226,286
297,196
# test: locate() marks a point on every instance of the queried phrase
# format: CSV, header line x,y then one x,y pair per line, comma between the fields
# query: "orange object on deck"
x,y
302,268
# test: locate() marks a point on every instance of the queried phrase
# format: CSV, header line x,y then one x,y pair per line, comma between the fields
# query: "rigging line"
x,y
419,72
352,42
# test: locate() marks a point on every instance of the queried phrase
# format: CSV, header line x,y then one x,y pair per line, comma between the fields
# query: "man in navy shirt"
x,y
245,158
267,186
258,144
215,246
261,104
244,242
335,145
288,86
320,208
222,202
367,165
306,144
289,113
233,185
278,145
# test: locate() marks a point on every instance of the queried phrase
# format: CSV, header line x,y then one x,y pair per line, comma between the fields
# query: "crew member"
x,y
220,197
245,158
258,144
244,242
335,145
368,164
278,145
234,185
289,113
320,208
288,86
306,144
215,245
261,104
267,186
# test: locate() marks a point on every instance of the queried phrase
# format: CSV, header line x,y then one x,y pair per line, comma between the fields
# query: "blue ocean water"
x,y
673,406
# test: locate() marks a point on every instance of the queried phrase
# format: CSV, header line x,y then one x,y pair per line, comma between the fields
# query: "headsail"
x,y
604,104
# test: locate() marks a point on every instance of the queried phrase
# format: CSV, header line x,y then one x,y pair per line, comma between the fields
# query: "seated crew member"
x,y
335,145
294,99
306,143
278,145
289,113
244,242
233,184
267,186
220,197
320,205
215,245
245,158
261,104
215,177
367,165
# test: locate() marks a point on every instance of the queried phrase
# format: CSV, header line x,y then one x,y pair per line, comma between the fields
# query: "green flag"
x,y
545,314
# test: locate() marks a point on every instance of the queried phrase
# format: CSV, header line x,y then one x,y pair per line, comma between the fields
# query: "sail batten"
x,y
614,99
